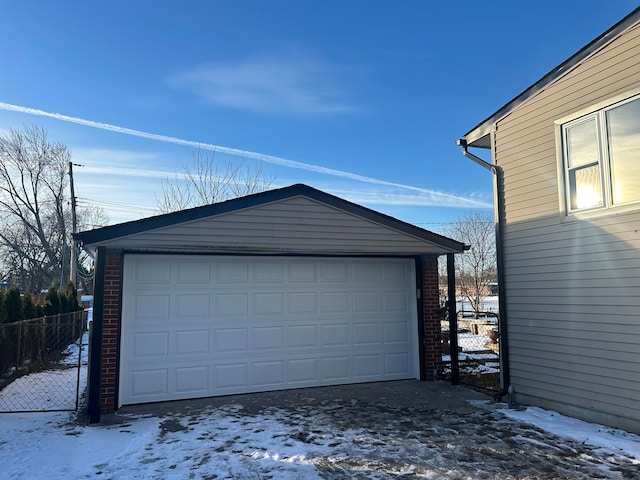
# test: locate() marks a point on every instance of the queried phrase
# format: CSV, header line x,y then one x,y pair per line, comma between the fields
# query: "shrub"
x,y
4,318
71,295
38,311
52,302
28,308
13,305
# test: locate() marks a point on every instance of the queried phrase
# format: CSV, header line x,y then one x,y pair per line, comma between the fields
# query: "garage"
x,y
195,326
282,289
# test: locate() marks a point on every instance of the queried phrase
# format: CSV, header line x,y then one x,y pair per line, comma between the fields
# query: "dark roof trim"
x,y
484,127
97,236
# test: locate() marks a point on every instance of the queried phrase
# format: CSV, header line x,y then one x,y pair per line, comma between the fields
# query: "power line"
x,y
117,205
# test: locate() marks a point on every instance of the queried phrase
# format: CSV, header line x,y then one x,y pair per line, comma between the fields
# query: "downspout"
x,y
498,194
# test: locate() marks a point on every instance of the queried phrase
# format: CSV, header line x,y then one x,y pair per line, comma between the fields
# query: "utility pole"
x,y
73,269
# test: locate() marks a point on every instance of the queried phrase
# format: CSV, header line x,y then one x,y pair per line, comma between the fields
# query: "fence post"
x,y
58,333
37,331
453,320
19,335
78,321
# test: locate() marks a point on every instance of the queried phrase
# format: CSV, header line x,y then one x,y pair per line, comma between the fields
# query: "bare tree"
x,y
205,181
88,217
476,268
34,208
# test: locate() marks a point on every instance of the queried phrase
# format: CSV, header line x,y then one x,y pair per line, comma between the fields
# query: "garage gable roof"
x,y
479,136
295,219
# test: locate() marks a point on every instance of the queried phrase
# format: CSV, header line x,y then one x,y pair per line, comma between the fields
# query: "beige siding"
x,y
296,225
572,286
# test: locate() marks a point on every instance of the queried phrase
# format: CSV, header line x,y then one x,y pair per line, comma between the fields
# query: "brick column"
x,y
432,318
111,320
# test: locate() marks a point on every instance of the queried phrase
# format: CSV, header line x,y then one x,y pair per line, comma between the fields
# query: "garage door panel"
x,y
268,271
192,342
395,332
268,373
193,272
303,302
226,325
366,302
232,271
231,339
154,272
153,308
302,370
397,363
150,344
395,302
268,338
192,380
232,376
193,307
333,272
366,333
394,272
367,272
335,368
232,304
335,335
301,336
335,302
367,366
303,271
149,383
268,303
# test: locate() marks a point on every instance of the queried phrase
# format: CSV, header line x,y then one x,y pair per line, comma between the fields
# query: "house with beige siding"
x,y
565,158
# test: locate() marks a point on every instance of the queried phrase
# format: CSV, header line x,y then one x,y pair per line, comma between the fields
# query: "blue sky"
x,y
364,99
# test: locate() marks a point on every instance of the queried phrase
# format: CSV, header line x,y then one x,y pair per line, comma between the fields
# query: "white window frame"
x,y
598,112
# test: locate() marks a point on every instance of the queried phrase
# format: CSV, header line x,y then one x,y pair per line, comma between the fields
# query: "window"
x,y
601,158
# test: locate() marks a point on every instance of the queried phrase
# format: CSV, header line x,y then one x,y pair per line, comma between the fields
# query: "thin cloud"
x,y
130,172
114,156
440,199
280,84
394,198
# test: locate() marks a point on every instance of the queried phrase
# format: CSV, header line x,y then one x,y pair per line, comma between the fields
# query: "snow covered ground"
x,y
314,437
318,438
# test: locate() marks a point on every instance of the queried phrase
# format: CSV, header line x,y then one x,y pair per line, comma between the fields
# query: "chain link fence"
x,y
477,352
40,363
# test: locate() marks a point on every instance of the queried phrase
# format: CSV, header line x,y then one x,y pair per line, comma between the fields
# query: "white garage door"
x,y
197,326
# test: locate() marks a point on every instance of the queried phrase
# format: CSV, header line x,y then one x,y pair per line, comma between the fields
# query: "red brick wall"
x,y
432,317
110,325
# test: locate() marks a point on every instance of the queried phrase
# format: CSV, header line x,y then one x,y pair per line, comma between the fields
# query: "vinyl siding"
x,y
572,285
296,225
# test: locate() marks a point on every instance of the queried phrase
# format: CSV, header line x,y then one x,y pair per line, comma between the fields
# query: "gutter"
x,y
498,197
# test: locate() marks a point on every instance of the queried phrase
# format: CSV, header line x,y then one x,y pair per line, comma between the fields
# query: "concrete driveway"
x,y
404,429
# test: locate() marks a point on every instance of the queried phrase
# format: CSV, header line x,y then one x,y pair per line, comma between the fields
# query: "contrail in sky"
x,y
234,151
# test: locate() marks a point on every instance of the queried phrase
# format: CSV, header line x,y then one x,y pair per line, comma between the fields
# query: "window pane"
x,y
582,143
623,125
584,184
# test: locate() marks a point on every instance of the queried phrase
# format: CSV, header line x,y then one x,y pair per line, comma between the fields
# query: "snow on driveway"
x,y
316,437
